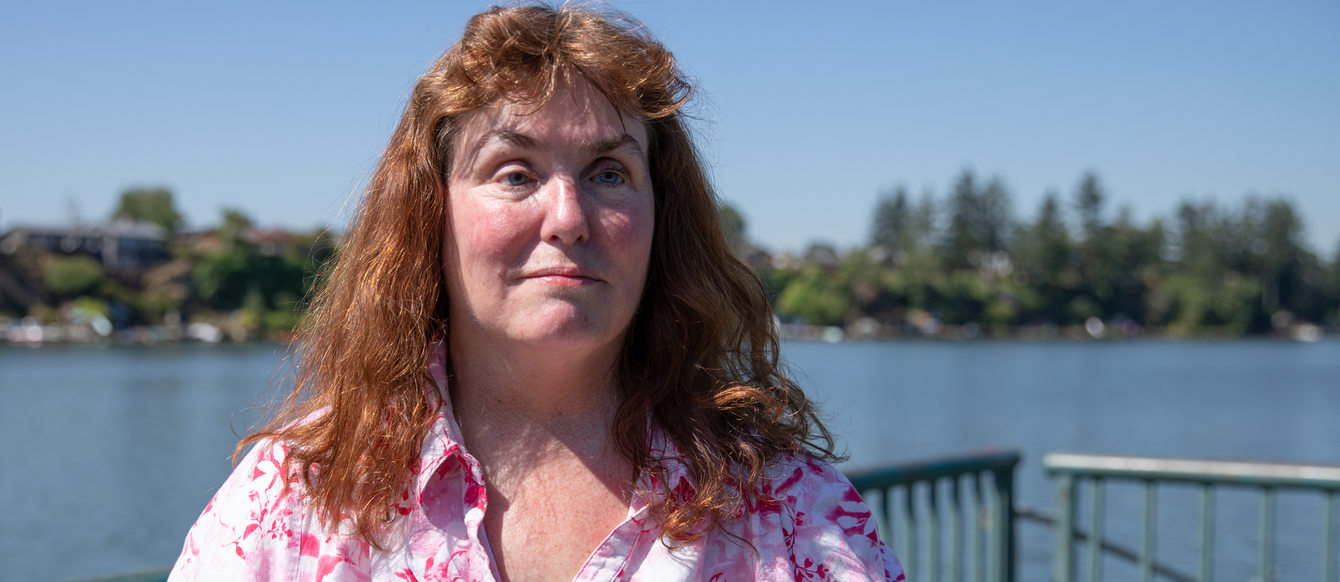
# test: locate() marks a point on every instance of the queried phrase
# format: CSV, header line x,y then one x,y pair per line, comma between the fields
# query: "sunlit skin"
x,y
550,219
550,223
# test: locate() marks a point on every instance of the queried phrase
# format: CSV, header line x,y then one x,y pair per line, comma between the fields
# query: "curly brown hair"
x,y
700,358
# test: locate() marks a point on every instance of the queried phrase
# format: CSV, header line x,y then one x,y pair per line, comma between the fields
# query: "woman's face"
x,y
549,225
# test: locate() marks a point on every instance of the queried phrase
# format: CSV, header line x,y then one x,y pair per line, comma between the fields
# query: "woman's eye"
x,y
609,177
515,179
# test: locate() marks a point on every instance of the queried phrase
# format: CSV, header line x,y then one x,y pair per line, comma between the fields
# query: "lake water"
x,y
109,453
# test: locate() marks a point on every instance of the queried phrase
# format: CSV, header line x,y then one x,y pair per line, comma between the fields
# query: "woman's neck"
x,y
533,399
534,386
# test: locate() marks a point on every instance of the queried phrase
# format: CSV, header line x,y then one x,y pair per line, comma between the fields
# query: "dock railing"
x,y
1267,478
972,494
953,518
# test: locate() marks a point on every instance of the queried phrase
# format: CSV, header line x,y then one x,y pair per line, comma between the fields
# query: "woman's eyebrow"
x,y
526,142
604,146
504,134
508,135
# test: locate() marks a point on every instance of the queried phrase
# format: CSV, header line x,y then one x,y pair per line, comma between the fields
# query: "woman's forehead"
x,y
576,112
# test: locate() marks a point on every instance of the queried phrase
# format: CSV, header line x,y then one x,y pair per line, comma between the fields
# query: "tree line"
x,y
959,264
965,259
246,281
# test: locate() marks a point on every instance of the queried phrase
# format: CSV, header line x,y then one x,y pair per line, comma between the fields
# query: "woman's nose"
x,y
565,217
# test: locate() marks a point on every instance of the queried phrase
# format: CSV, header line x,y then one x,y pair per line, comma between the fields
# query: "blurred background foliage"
x,y
964,264
967,259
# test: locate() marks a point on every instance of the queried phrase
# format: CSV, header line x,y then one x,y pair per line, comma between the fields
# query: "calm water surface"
x,y
109,454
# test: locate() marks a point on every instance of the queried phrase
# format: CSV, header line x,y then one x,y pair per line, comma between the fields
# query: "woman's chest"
x,y
548,525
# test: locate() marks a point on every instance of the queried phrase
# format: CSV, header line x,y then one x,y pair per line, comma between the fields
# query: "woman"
x,y
535,358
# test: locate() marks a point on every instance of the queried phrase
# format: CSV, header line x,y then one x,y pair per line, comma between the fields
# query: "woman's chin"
x,y
569,338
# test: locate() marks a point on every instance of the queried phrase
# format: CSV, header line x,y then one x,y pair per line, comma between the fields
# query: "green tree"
x,y
233,222
923,222
814,297
1043,257
902,225
993,217
979,221
1098,263
70,276
732,225
152,205
892,220
960,243
1332,300
1089,202
1196,246
240,276
1282,256
1136,254
964,297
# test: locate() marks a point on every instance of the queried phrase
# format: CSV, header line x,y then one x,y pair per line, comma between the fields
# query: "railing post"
x,y
977,564
1267,533
1206,533
955,531
1064,559
932,532
1328,535
1004,522
1096,533
886,522
1147,533
909,521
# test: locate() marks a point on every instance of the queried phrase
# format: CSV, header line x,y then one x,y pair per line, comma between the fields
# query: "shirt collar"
x,y
443,440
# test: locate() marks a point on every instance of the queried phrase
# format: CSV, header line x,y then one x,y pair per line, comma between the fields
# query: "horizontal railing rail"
x,y
157,575
1267,478
954,492
1247,473
1109,547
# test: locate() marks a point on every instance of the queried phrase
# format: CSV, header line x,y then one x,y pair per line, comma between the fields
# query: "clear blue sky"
x,y
808,110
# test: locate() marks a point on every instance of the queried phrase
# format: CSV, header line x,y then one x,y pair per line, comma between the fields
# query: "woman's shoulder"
x,y
824,528
803,477
259,524
252,503
809,491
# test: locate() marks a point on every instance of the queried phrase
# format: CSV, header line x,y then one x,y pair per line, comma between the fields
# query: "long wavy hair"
x,y
700,358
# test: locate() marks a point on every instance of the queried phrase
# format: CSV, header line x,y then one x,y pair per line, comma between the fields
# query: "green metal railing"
x,y
1267,478
971,492
159,575
953,518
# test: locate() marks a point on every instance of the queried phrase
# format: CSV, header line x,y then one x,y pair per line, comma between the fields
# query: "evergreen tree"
x,y
1042,255
1282,256
1136,255
1098,268
961,246
733,226
1196,250
1332,301
892,220
152,205
994,216
1089,201
922,223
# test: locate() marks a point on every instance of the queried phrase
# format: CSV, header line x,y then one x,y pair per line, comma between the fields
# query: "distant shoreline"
x,y
18,335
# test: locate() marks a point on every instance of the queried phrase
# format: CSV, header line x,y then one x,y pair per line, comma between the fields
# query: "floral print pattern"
x,y
818,528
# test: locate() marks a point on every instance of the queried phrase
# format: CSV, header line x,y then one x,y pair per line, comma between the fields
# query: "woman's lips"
x,y
562,276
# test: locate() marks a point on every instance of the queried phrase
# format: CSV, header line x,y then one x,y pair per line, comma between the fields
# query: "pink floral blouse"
x,y
819,529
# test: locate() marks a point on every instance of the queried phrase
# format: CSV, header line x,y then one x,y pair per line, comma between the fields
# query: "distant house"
x,y
117,245
269,242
